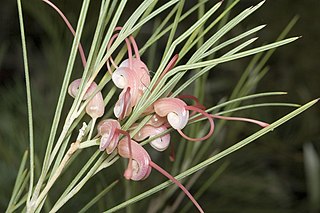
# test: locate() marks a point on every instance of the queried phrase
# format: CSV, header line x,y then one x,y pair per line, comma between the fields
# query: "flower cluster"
x,y
147,109
132,76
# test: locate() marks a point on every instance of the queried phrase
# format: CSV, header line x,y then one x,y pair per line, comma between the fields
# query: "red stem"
x,y
81,51
128,172
208,116
170,65
175,181
135,47
260,123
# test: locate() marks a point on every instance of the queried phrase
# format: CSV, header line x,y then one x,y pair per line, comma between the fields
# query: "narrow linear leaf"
x,y
29,100
19,181
98,197
217,157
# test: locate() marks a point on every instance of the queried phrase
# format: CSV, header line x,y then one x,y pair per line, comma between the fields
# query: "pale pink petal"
x,y
113,143
156,120
141,71
74,89
95,107
123,106
108,130
175,111
160,143
123,77
141,158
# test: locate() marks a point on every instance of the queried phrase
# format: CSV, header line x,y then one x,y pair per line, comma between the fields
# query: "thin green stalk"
x,y
174,26
257,66
200,83
20,178
22,201
29,100
255,106
207,184
98,197
248,97
73,148
217,157
60,103
77,188
60,155
199,93
23,187
83,170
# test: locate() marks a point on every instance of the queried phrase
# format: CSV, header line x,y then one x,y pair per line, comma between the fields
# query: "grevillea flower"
x,y
175,111
125,78
141,72
109,134
123,107
161,143
140,168
95,107
132,75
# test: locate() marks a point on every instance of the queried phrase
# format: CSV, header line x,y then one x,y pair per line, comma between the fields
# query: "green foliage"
x,y
49,178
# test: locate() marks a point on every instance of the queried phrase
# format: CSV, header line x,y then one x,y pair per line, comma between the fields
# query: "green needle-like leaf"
x,y
217,157
29,100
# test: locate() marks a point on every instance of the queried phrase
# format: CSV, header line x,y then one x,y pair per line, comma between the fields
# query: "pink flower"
x,y
108,129
161,143
95,107
140,168
132,75
123,107
175,111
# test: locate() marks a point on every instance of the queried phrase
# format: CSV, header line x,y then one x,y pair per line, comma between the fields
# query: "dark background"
x,y
268,176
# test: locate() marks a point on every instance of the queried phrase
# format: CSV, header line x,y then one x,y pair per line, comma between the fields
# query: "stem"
x,y
208,116
175,181
81,51
260,123
92,127
73,148
29,101
128,172
49,156
77,188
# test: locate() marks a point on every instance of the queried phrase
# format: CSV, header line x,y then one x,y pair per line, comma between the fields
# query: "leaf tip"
x,y
260,4
263,26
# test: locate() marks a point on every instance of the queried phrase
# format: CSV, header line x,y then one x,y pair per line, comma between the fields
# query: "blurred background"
x,y
279,173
